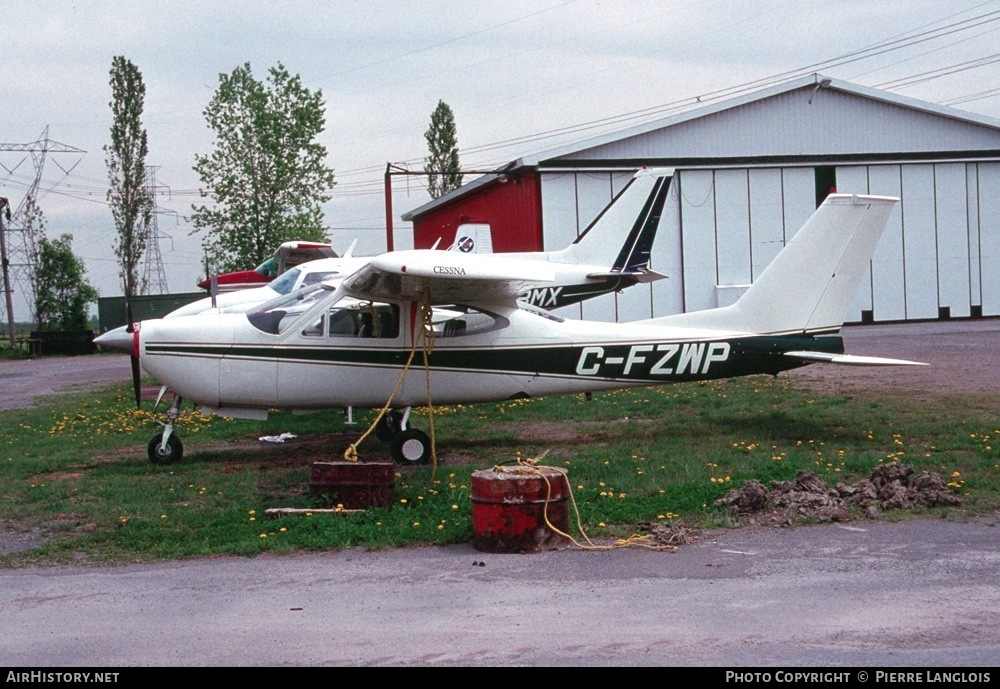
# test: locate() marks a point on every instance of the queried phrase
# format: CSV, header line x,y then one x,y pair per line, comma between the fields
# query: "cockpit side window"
x,y
356,320
458,320
318,276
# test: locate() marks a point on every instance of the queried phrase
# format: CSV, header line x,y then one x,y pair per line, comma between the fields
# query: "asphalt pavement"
x,y
922,593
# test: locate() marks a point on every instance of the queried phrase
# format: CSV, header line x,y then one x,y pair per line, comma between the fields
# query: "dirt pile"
x,y
810,498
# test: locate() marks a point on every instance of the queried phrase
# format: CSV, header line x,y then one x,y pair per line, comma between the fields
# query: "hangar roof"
x,y
809,120
811,115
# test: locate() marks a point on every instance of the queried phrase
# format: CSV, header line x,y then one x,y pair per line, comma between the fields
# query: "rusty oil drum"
x,y
510,508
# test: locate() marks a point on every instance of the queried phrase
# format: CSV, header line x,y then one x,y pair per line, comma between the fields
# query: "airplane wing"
x,y
448,276
852,359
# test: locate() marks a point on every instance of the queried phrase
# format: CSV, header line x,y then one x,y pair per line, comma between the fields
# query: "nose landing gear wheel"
x,y
170,454
411,447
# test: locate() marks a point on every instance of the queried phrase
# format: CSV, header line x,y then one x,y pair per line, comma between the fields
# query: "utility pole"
x,y
5,213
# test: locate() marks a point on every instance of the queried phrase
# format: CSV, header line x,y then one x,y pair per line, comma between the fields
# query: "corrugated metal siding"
x,y
952,239
975,246
667,296
722,227
989,237
937,257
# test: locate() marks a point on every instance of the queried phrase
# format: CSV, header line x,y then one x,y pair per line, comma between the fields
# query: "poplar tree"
x,y
128,195
443,167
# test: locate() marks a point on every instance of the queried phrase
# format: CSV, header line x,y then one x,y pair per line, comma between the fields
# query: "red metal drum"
x,y
519,511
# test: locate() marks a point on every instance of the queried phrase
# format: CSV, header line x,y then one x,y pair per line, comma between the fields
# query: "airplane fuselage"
x,y
520,353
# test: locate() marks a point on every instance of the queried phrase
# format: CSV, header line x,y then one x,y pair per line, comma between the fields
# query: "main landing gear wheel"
x,y
411,447
389,426
170,454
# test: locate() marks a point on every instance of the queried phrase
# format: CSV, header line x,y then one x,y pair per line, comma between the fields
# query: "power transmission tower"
x,y
16,247
154,279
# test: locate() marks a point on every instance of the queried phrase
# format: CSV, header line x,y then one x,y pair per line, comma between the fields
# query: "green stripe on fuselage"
x,y
645,361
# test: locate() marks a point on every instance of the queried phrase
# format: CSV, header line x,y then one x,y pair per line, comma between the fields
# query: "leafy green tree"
x,y
34,232
128,195
267,173
443,167
63,292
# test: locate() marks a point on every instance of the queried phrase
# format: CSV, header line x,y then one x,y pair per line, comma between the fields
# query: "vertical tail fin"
x,y
810,284
624,229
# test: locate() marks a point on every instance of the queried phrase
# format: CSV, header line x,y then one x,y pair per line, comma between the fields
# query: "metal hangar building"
x,y
747,173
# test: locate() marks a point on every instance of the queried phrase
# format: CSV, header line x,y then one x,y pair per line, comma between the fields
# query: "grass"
x,y
74,471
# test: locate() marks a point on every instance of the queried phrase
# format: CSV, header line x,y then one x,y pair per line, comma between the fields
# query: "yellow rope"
x,y
427,318
425,337
351,453
530,466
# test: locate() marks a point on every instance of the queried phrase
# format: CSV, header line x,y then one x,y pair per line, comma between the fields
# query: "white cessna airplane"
x,y
348,344
610,255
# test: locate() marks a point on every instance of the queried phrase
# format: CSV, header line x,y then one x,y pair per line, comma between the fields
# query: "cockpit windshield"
x,y
276,315
268,268
284,283
287,281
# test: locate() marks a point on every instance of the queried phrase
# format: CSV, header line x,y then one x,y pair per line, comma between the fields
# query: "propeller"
x,y
133,355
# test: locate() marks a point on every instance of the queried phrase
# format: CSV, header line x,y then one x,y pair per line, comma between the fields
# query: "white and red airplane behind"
x,y
610,255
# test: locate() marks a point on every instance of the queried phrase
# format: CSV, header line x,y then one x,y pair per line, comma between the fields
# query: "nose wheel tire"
x,y
411,447
170,454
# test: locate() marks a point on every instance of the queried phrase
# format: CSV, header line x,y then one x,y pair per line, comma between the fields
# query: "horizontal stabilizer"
x,y
851,359
638,276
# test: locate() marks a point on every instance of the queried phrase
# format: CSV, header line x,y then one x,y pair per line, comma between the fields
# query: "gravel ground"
x,y
24,381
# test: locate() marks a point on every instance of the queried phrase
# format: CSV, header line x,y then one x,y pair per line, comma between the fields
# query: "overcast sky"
x,y
515,73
